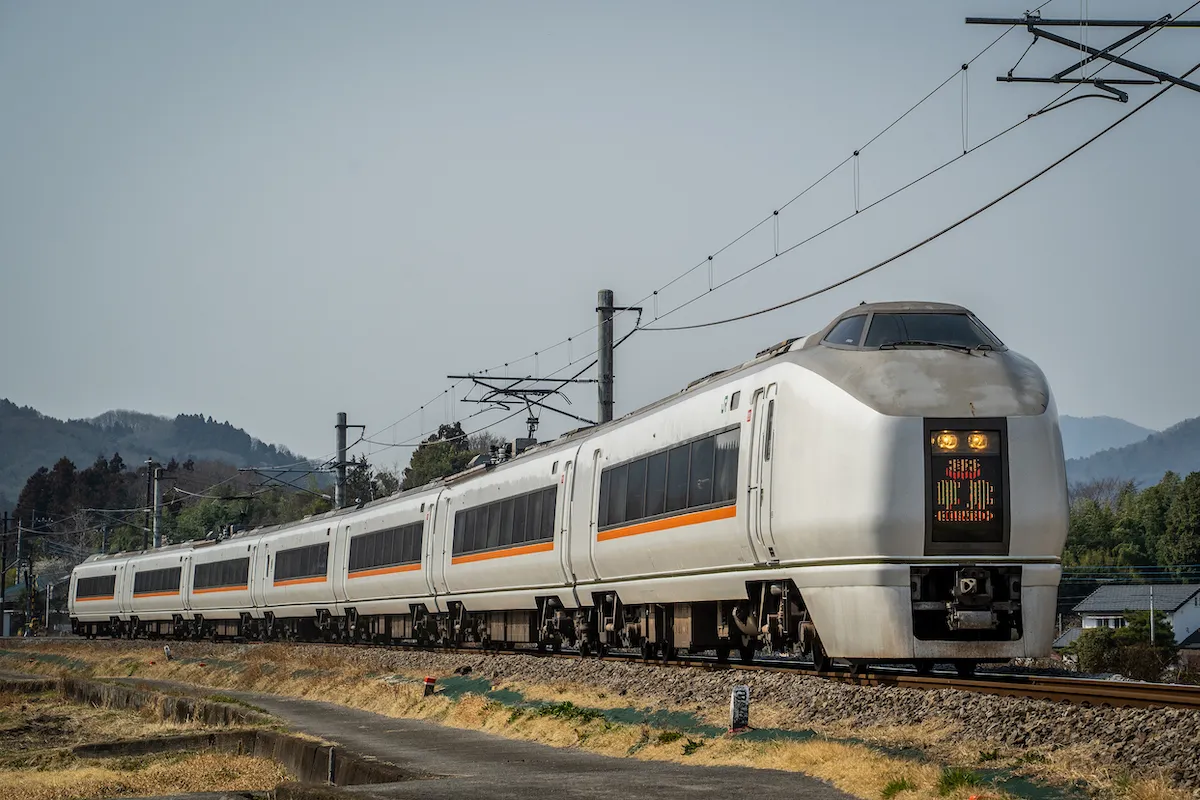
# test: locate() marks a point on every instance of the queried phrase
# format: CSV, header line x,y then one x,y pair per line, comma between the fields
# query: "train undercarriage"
x,y
952,602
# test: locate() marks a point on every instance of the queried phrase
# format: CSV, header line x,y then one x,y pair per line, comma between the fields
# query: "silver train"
x,y
889,489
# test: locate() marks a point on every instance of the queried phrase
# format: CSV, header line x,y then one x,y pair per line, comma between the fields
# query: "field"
x,y
888,745
38,732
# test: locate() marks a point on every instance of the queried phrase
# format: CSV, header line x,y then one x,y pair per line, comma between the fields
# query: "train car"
x,y
387,550
93,596
219,601
153,590
891,488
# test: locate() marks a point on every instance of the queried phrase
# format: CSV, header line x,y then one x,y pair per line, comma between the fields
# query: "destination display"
x,y
967,486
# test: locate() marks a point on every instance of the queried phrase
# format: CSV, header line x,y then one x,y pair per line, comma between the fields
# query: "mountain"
x,y
1083,436
29,440
1177,448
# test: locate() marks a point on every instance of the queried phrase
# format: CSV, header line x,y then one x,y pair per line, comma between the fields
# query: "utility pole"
x,y
158,475
339,487
149,501
3,569
1151,615
46,619
604,360
104,539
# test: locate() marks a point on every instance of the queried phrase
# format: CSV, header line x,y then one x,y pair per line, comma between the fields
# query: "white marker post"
x,y
739,710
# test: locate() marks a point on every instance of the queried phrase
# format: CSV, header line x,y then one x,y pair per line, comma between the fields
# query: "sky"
x,y
269,213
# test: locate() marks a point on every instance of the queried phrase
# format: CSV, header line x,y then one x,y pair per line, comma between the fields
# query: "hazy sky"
x,y
270,212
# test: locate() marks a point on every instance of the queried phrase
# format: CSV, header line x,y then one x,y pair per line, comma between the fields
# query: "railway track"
x,y
1051,688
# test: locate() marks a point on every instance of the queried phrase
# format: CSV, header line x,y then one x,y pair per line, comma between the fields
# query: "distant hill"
x,y
29,440
1083,436
1177,448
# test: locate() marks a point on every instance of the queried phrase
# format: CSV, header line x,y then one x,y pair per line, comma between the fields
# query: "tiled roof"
x,y
1068,637
1116,598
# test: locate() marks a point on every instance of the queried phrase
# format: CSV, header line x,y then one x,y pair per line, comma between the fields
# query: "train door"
x,y
593,510
262,574
339,558
123,592
434,557
567,481
185,584
762,434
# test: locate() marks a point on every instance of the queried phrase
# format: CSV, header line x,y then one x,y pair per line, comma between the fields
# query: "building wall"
x,y
1186,620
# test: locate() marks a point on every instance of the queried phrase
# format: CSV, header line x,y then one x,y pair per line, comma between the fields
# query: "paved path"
x,y
471,764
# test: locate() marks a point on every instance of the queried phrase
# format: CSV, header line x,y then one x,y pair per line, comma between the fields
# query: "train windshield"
x,y
925,329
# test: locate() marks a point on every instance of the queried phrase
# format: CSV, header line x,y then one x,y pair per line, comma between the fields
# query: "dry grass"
x,y
318,674
94,779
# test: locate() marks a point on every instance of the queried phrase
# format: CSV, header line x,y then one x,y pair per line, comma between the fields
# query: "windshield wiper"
x,y
924,343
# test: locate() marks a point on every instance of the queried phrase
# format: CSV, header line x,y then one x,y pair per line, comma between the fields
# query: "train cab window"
x,y
917,329
554,469
848,331
677,477
700,489
733,401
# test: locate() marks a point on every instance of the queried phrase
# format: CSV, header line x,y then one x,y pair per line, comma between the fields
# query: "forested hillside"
x,y
1083,436
29,440
1177,449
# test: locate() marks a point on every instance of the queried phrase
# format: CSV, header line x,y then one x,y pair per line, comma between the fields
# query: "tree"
x,y
1128,650
444,453
365,483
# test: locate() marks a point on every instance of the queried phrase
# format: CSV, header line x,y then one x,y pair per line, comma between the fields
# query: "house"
x,y
1106,607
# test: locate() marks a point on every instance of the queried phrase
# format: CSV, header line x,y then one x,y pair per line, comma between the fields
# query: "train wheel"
x,y
964,668
668,654
746,653
858,668
723,653
820,658
584,649
923,667
647,650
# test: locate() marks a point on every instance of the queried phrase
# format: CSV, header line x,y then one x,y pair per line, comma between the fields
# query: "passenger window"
x,y
656,484
725,471
733,401
506,523
534,518
635,492
479,539
493,528
616,494
605,477
701,489
549,501
677,477
518,526
767,433
848,331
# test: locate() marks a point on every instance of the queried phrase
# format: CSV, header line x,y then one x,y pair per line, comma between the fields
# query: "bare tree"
x,y
1104,491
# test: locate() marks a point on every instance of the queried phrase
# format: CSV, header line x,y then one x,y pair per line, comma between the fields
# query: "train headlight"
x,y
946,441
977,441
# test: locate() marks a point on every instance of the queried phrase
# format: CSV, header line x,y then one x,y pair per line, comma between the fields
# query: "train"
x,y
890,489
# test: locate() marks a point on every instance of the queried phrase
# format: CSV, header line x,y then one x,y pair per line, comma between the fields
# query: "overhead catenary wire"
x,y
928,239
708,260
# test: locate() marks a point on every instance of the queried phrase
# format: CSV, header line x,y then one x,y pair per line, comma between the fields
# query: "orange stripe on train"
x,y
694,518
242,588
293,581
512,551
366,573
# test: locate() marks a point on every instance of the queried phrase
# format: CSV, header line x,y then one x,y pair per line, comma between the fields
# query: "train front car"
x,y
923,488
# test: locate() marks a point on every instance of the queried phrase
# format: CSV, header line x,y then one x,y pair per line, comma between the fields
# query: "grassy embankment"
x,y
953,764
